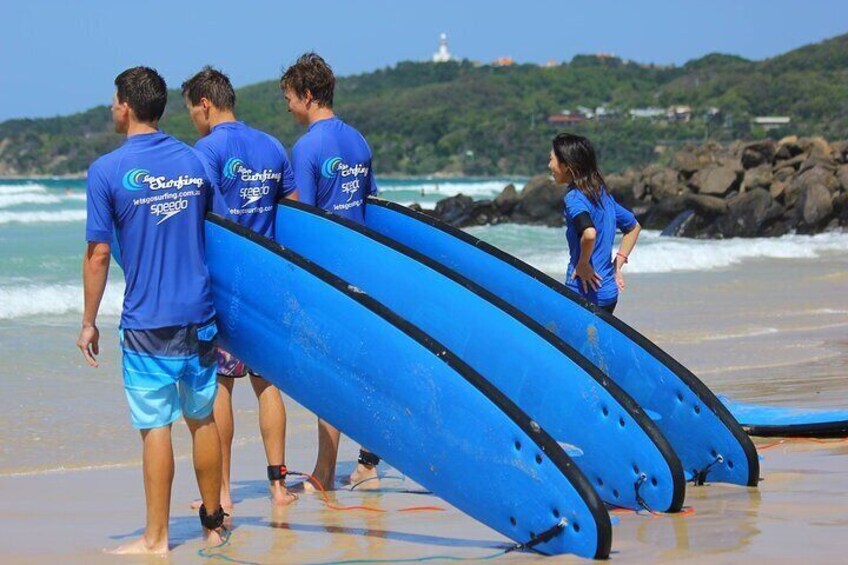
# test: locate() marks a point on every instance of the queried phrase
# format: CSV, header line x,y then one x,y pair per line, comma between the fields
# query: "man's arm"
x,y
95,270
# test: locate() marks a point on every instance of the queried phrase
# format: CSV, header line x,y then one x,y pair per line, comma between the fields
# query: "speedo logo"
x,y
334,166
168,209
137,179
235,168
253,194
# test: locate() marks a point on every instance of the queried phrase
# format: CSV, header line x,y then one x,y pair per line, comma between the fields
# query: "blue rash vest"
x,y
250,172
332,169
607,216
152,194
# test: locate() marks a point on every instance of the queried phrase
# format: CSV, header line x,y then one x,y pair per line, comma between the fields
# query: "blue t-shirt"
x,y
607,216
153,192
250,172
332,169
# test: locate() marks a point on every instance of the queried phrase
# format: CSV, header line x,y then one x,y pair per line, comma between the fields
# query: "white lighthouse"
x,y
442,55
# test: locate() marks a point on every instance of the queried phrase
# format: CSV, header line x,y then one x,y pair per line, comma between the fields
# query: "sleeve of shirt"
x,y
574,205
371,189
99,207
207,156
305,177
624,218
287,184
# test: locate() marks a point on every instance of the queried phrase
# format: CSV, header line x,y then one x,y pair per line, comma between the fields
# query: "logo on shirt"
x,y
334,166
233,167
133,179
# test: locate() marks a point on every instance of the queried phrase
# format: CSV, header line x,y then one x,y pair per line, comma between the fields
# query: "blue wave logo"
x,y
133,179
233,167
331,167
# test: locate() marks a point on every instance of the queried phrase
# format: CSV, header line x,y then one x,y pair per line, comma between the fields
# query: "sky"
x,y
58,57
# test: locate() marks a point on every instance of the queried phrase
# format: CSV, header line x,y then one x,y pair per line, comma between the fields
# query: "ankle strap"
x,y
368,458
214,521
277,472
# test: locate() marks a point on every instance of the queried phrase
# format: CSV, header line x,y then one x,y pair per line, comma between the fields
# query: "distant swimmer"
x,y
592,218
151,194
332,169
250,174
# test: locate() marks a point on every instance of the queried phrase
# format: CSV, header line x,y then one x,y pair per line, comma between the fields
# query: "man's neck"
x,y
140,128
221,117
320,113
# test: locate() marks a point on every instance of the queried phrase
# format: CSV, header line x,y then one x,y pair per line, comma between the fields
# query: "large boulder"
x,y
505,201
715,180
787,148
706,205
757,177
621,187
691,158
540,202
817,176
814,209
842,176
454,210
661,183
749,215
658,216
758,153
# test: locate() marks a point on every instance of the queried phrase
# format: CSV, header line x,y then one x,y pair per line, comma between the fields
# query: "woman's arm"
x,y
584,270
628,242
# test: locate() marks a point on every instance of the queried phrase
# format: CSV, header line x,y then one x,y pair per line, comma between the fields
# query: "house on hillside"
x,y
565,119
771,122
649,113
679,114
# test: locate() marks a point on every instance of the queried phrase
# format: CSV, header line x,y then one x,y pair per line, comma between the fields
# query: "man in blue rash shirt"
x,y
332,170
251,173
153,192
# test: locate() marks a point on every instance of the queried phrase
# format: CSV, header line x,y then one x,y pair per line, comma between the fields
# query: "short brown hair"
x,y
311,73
213,85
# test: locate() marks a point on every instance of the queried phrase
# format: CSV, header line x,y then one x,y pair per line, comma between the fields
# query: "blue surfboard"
x,y
623,453
390,386
707,439
784,421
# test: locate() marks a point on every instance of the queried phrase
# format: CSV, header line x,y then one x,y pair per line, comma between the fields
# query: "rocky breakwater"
x,y
747,189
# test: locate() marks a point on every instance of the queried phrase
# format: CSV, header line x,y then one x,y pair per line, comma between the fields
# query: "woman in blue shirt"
x,y
592,218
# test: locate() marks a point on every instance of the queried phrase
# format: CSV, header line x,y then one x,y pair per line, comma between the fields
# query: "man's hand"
x,y
89,344
587,275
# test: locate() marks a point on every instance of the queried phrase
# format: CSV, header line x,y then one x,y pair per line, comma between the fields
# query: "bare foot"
x,y
327,481
140,546
280,496
217,537
365,477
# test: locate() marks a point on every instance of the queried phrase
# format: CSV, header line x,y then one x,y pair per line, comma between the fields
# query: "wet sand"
x,y
771,331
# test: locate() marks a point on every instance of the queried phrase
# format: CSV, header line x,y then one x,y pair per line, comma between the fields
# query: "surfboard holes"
x,y
512,520
680,396
605,410
556,513
697,409
538,459
654,481
600,482
615,492
621,422
576,527
518,446
730,464
636,469
714,453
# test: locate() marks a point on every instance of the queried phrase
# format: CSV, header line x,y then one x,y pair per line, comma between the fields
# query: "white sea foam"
x,y
655,254
424,205
54,299
37,217
435,187
9,200
22,188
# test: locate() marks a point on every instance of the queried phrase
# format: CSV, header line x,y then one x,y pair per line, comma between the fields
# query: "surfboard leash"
x,y
344,508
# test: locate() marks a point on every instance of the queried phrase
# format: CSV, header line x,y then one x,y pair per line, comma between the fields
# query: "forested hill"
x,y
465,118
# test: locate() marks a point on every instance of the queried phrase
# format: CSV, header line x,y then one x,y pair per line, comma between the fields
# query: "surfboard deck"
x,y
784,421
624,454
390,386
705,436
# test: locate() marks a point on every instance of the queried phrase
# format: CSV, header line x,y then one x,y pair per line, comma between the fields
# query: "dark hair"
x,y
145,91
213,85
311,73
577,153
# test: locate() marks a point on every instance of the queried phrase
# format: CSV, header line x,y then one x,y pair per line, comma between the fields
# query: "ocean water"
x,y
735,311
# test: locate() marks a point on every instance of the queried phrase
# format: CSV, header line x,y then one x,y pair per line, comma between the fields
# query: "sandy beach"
x,y
772,331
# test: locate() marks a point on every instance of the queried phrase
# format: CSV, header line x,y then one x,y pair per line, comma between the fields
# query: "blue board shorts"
x,y
169,372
